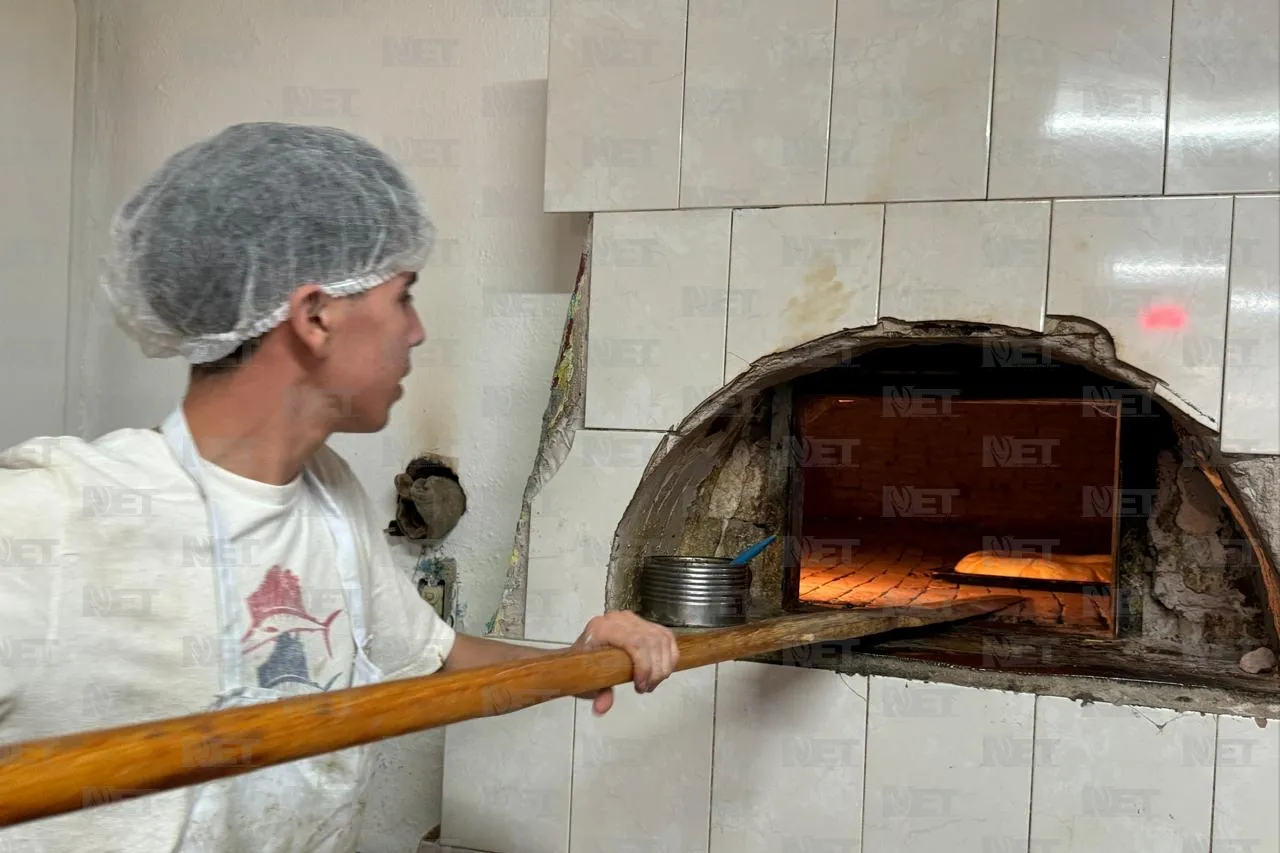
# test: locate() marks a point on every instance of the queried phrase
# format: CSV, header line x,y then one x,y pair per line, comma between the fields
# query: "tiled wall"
x,y
765,173
753,758
742,103
1188,287
983,160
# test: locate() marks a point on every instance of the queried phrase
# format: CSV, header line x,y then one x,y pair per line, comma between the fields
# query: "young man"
x,y
230,557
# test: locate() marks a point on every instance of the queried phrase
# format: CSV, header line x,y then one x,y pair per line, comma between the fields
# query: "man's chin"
x,y
365,423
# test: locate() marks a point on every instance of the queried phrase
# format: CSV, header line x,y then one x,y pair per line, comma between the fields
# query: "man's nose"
x,y
417,334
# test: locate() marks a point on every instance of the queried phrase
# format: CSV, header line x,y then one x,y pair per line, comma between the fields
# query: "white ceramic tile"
x,y
1246,787
1224,97
948,767
1153,272
1114,777
798,273
788,762
507,777
571,527
655,331
979,261
1250,401
615,86
1080,96
756,103
911,100
642,772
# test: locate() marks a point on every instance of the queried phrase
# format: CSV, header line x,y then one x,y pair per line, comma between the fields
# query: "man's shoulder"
x,y
138,457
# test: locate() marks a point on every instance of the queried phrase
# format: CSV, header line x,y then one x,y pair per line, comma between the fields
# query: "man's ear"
x,y
311,317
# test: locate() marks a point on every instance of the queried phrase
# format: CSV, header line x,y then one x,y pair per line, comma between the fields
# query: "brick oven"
x,y
937,468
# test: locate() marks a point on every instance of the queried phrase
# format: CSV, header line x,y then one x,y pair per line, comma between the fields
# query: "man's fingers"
x,y
643,667
664,659
603,701
653,649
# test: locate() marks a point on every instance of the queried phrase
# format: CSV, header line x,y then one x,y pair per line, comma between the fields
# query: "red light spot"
x,y
1164,317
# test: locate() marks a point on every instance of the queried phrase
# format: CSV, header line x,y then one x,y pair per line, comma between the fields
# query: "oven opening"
x,y
923,495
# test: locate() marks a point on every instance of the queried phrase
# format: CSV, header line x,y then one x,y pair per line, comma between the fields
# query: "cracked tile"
x,y
1117,777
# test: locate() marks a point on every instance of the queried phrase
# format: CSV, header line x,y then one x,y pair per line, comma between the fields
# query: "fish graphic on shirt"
x,y
276,610
288,665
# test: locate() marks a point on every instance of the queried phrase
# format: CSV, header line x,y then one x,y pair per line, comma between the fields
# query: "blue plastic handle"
x,y
751,553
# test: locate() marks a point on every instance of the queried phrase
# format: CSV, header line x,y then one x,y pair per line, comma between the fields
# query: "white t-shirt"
x,y
296,630
109,614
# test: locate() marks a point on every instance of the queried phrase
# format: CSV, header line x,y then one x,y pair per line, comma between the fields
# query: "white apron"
x,y
307,806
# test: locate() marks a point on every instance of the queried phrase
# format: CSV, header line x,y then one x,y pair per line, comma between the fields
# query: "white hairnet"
x,y
205,255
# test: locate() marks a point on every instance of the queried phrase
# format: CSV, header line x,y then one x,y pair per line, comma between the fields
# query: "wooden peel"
x,y
55,775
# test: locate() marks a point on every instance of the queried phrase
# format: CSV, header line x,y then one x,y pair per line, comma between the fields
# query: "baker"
x,y
231,557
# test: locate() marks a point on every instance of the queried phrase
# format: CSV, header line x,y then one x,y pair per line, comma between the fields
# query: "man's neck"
x,y
253,427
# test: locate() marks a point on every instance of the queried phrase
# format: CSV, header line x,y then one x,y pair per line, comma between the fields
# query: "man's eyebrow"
x,y
411,280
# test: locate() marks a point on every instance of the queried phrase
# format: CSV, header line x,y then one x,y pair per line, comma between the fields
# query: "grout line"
x,y
1213,784
884,230
1226,322
1048,271
573,747
1031,786
991,101
866,751
831,100
1168,102
728,300
711,787
1268,193
684,102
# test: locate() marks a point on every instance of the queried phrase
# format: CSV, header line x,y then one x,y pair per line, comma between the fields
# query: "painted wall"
x,y
37,69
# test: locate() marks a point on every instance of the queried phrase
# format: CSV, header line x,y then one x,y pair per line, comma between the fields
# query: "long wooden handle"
x,y
52,776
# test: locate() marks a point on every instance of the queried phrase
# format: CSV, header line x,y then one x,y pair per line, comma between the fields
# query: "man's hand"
x,y
653,650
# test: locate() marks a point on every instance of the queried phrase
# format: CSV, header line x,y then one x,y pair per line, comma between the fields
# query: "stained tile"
x,y
983,262
642,772
1246,786
570,538
655,334
615,89
911,100
1250,402
1114,777
798,273
1153,272
507,777
756,103
948,768
788,765
1080,93
1224,97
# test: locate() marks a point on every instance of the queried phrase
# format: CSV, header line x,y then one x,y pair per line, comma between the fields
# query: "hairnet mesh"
x,y
205,255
